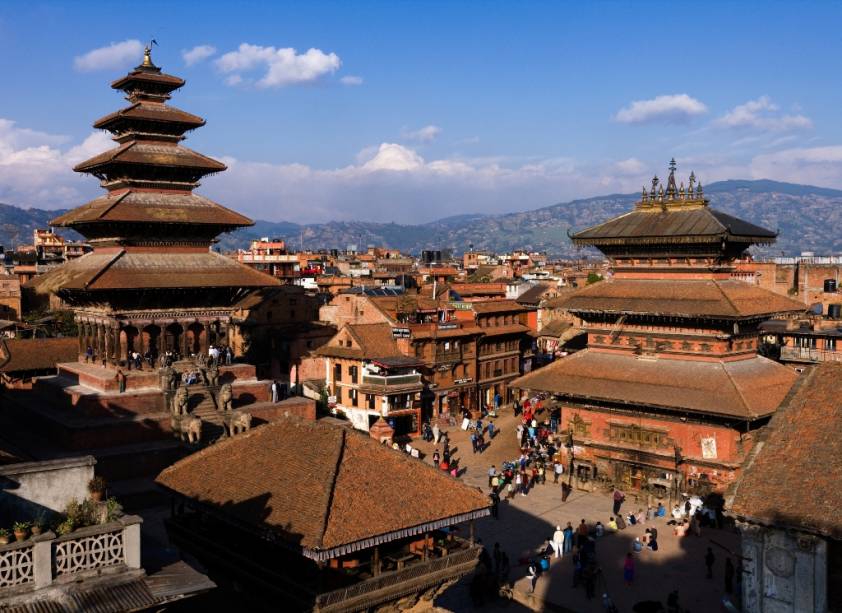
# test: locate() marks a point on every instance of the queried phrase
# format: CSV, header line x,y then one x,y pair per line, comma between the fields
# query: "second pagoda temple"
x,y
153,282
670,392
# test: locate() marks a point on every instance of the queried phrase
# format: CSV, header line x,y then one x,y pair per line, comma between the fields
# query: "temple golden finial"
x,y
147,53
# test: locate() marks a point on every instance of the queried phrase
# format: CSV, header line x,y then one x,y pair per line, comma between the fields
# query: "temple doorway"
x,y
149,340
128,341
172,338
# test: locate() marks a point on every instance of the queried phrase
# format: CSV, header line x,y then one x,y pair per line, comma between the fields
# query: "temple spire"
x,y
671,187
147,55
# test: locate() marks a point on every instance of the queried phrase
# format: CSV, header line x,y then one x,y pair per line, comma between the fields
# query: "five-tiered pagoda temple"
x,y
153,282
670,390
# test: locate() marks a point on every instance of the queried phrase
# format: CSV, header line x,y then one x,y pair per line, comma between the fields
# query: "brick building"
x,y
368,377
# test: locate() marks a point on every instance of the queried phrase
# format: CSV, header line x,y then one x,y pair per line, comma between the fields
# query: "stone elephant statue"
x,y
237,422
193,429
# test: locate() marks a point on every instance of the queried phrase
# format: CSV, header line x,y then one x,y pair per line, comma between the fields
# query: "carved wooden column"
x,y
162,333
205,341
184,347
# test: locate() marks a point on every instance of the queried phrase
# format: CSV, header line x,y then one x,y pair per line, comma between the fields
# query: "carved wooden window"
x,y
581,428
706,347
599,340
685,346
635,435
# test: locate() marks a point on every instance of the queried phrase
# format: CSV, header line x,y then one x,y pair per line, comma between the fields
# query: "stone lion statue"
x,y
180,401
226,398
213,376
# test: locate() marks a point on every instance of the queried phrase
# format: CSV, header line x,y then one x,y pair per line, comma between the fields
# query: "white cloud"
x,y
112,57
674,108
391,156
762,114
197,54
36,171
282,66
807,165
351,80
631,166
422,135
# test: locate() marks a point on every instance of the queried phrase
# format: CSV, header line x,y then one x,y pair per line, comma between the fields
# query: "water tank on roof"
x,y
834,311
830,286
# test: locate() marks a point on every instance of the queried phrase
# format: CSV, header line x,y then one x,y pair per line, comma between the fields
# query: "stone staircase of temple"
x,y
203,406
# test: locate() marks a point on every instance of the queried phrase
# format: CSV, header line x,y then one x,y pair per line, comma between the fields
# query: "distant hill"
x,y
807,218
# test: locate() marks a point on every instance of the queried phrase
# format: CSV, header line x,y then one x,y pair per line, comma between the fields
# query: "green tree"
x,y
594,277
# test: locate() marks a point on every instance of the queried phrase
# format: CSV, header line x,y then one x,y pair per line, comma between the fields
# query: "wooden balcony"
x,y
416,576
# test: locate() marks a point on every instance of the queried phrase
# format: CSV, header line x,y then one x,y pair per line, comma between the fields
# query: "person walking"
x,y
274,392
492,472
729,576
532,575
581,533
121,380
709,560
490,430
568,538
436,433
558,470
558,541
628,569
618,500
495,503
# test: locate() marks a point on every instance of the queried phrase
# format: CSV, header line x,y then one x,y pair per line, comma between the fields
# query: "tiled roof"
x,y
150,112
370,341
21,355
139,152
129,270
153,207
747,389
319,486
533,295
678,297
497,306
655,225
555,328
791,479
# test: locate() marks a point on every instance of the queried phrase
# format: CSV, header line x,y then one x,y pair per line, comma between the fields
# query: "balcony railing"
x,y
390,585
806,354
38,561
392,380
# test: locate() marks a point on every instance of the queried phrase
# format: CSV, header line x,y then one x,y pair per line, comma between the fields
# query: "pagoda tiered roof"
x,y
140,206
670,216
122,269
690,298
150,154
745,389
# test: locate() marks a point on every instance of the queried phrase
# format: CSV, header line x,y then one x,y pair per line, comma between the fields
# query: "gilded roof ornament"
x,y
147,54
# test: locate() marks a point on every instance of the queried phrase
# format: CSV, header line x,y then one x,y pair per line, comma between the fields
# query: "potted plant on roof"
x,y
37,526
96,488
21,530
4,536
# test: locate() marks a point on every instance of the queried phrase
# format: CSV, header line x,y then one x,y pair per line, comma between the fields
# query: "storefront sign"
x,y
462,381
448,326
400,332
460,306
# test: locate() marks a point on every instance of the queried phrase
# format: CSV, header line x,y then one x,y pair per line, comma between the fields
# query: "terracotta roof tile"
x,y
791,478
319,486
122,270
691,298
153,207
497,306
138,152
21,355
748,388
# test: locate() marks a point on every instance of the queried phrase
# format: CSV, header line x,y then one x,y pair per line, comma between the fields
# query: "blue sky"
x,y
410,111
